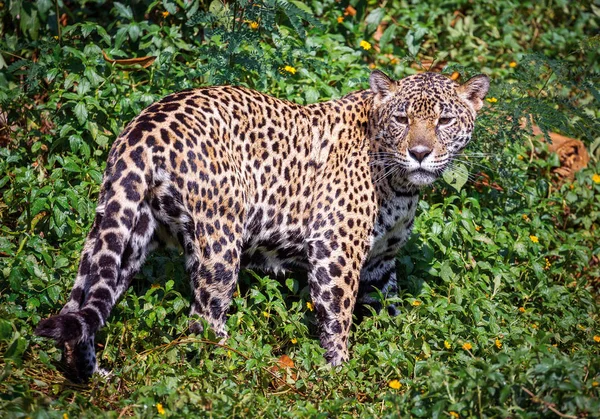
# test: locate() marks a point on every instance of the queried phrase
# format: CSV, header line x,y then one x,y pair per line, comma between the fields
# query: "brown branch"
x,y
547,405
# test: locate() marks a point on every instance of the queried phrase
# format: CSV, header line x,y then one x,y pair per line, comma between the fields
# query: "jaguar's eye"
x,y
402,119
445,121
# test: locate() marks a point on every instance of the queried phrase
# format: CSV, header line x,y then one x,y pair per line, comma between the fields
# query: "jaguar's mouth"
x,y
421,177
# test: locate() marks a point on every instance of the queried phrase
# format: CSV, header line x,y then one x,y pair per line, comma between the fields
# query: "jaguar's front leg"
x,y
333,291
333,280
378,274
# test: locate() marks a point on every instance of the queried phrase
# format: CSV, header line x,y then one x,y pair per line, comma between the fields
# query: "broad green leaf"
x,y
456,176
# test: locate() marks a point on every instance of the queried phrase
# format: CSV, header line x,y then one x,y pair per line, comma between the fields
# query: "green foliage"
x,y
499,312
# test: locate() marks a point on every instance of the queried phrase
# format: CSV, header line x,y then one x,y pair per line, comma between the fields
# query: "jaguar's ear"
x,y
474,90
381,84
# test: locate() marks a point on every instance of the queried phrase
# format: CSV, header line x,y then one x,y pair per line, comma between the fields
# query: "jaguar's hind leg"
x,y
211,237
214,267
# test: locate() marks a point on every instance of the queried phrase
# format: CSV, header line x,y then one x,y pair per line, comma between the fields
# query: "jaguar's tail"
x,y
114,250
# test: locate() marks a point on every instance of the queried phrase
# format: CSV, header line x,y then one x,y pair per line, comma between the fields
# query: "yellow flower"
x,y
165,14
595,383
253,25
265,314
477,228
492,99
597,339
548,264
160,409
522,309
498,344
394,61
534,239
65,416
229,354
310,306
596,178
340,19
512,64
454,414
294,341
416,303
525,217
395,384
447,344
289,69
365,45
467,346
520,157
56,37
534,326
372,66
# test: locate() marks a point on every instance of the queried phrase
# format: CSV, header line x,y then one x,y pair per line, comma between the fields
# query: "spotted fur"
x,y
241,179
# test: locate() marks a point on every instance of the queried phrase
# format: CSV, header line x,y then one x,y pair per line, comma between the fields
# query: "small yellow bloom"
x,y
571,186
253,25
522,309
365,45
447,344
310,306
266,314
596,178
477,228
595,384
395,384
372,66
519,157
492,99
56,37
467,346
534,239
294,341
229,354
525,217
394,61
512,64
340,19
289,69
165,14
65,416
498,344
454,415
160,409
597,339
548,264
416,303
534,326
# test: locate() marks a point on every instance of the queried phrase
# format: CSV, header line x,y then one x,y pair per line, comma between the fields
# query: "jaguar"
x,y
239,179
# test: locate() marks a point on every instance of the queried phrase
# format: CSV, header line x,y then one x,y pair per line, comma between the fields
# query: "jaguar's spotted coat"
x,y
241,179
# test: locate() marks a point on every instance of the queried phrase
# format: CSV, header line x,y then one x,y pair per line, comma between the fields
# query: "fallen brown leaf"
x,y
143,62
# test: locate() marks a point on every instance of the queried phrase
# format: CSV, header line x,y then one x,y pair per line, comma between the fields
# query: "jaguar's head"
x,y
419,123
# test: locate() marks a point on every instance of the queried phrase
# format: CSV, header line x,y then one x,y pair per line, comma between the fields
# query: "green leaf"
x,y
374,19
81,112
123,11
456,176
387,36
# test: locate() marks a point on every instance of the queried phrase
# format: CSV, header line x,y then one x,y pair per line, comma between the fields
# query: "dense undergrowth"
x,y
499,306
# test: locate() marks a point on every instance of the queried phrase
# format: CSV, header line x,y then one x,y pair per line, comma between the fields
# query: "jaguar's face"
x,y
422,121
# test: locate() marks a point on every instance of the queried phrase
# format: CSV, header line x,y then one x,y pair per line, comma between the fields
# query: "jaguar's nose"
x,y
419,152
